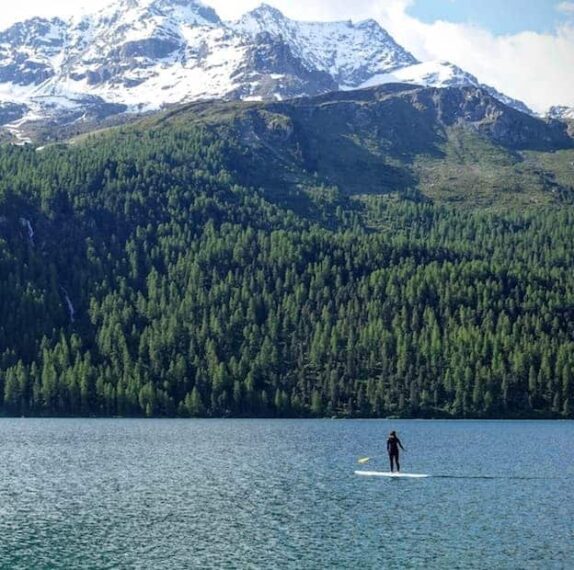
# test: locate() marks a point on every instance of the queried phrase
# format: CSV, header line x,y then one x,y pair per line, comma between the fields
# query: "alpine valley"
x,y
277,219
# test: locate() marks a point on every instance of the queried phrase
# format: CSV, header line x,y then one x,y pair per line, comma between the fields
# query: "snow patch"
x,y
429,74
561,113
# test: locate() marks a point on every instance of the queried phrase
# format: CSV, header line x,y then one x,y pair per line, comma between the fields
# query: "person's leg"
x,y
397,462
391,459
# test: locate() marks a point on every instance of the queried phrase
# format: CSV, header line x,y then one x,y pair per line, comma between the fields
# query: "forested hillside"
x,y
148,271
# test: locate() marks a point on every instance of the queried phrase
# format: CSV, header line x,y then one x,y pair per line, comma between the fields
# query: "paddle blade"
x,y
364,460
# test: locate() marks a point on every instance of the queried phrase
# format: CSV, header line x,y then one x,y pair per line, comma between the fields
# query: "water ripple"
x,y
282,494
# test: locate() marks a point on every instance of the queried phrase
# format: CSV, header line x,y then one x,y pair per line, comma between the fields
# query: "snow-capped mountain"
x,y
359,55
350,53
440,74
139,55
28,51
561,113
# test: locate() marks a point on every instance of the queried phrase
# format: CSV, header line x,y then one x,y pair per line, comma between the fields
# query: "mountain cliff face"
x,y
141,55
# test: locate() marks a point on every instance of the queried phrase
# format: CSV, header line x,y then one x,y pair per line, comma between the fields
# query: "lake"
x,y
257,494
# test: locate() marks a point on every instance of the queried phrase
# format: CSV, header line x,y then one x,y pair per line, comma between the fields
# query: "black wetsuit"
x,y
393,444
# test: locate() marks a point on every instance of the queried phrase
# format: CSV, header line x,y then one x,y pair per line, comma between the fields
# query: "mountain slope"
x,y
440,74
561,112
285,259
453,144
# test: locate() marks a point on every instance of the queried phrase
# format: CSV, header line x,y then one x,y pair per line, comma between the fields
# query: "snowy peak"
x,y
126,45
34,32
561,112
429,74
440,74
190,11
351,53
130,21
141,55
265,13
27,50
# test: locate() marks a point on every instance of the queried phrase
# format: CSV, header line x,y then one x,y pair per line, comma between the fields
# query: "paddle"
x,y
364,460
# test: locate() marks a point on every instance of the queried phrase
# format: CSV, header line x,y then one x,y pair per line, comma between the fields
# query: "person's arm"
x,y
400,444
388,445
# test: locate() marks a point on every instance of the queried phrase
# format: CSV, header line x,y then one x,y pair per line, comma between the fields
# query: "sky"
x,y
524,48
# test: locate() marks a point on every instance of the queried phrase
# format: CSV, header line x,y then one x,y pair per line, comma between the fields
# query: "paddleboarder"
x,y
393,444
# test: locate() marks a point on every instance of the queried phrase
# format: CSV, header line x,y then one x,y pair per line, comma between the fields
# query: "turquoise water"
x,y
282,494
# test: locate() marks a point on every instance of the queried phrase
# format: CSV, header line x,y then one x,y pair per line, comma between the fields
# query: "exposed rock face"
x,y
10,112
401,121
270,70
383,139
502,124
27,51
561,112
151,48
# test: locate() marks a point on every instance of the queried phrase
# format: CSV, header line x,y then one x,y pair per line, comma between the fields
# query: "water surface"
x,y
282,494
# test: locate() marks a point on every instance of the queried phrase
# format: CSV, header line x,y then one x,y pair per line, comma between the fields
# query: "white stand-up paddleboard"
x,y
389,474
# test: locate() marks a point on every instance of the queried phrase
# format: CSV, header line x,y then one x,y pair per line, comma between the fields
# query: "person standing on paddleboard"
x,y
393,444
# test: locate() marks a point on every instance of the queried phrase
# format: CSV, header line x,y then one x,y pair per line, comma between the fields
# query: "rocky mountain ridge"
x,y
391,137
561,112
